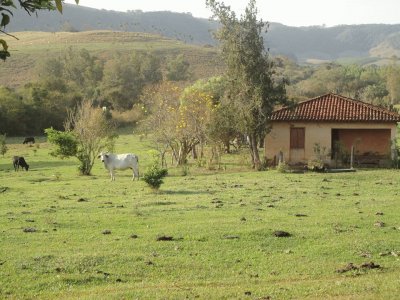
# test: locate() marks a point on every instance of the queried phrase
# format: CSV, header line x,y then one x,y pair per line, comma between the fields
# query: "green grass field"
x,y
221,224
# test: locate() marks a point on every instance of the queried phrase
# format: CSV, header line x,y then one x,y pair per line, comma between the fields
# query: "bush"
x,y
65,141
282,167
316,165
3,146
154,175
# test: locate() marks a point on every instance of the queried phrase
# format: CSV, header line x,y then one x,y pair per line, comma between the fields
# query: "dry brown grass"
x,y
33,47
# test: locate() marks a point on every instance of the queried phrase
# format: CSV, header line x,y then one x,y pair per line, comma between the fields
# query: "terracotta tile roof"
x,y
335,108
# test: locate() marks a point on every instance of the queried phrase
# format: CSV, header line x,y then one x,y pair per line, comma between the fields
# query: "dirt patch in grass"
x,y
363,266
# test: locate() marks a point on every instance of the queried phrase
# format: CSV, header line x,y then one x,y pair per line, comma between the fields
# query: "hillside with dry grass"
x,y
362,44
32,48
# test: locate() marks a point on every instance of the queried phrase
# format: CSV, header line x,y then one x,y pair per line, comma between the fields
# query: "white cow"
x,y
121,162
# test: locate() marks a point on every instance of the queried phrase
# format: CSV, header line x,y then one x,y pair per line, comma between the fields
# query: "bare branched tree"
x,y
94,132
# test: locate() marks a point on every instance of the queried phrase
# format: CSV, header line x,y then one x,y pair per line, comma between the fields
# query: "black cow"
x,y
19,161
29,139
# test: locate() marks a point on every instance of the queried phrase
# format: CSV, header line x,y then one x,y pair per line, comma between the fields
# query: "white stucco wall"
x,y
279,137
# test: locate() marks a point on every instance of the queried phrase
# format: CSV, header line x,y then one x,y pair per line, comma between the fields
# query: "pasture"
x,y
206,235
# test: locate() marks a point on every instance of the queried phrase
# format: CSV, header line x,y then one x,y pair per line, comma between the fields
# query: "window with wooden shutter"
x,y
297,137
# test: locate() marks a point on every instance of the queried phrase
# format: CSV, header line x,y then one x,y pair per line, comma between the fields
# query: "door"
x,y
297,142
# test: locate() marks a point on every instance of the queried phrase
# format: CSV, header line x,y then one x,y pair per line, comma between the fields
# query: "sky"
x,y
288,12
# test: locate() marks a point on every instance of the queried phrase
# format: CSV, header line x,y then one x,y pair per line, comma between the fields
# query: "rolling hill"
x,y
33,47
373,41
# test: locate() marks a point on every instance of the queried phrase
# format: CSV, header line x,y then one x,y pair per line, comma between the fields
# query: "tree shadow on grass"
x,y
40,165
183,192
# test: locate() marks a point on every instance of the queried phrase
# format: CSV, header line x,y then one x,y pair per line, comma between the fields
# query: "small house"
x,y
330,128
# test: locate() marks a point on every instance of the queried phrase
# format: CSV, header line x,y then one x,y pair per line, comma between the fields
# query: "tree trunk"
x,y
254,152
183,152
261,141
202,150
163,159
194,152
227,146
174,156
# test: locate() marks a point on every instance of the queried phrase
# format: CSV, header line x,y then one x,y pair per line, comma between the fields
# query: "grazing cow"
x,y
19,161
29,139
120,162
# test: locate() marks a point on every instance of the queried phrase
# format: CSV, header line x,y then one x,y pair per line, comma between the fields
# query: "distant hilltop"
x,y
373,43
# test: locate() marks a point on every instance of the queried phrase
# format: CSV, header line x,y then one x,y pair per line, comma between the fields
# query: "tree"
x,y
161,102
82,69
251,88
75,70
178,119
48,101
218,126
30,6
12,112
87,132
154,176
221,128
121,83
195,112
178,69
148,65
125,77
393,83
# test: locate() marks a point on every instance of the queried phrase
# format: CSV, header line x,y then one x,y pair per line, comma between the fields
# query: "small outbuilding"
x,y
328,128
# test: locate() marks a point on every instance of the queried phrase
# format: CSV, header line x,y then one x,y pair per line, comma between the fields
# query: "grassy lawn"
x,y
221,224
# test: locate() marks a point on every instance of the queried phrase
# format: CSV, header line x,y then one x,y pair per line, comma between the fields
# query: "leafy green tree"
x,y
251,88
13,111
178,69
218,127
82,69
375,94
392,77
148,65
126,76
30,6
49,101
75,70
221,128
213,86
121,83
34,107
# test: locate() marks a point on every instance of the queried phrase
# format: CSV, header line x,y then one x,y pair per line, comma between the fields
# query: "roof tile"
x,y
335,108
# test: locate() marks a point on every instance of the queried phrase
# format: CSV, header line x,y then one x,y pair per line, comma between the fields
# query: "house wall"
x,y
365,140
278,139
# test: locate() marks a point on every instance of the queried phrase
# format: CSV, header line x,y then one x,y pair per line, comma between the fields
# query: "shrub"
x,y
316,165
154,175
282,167
3,146
185,170
66,142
